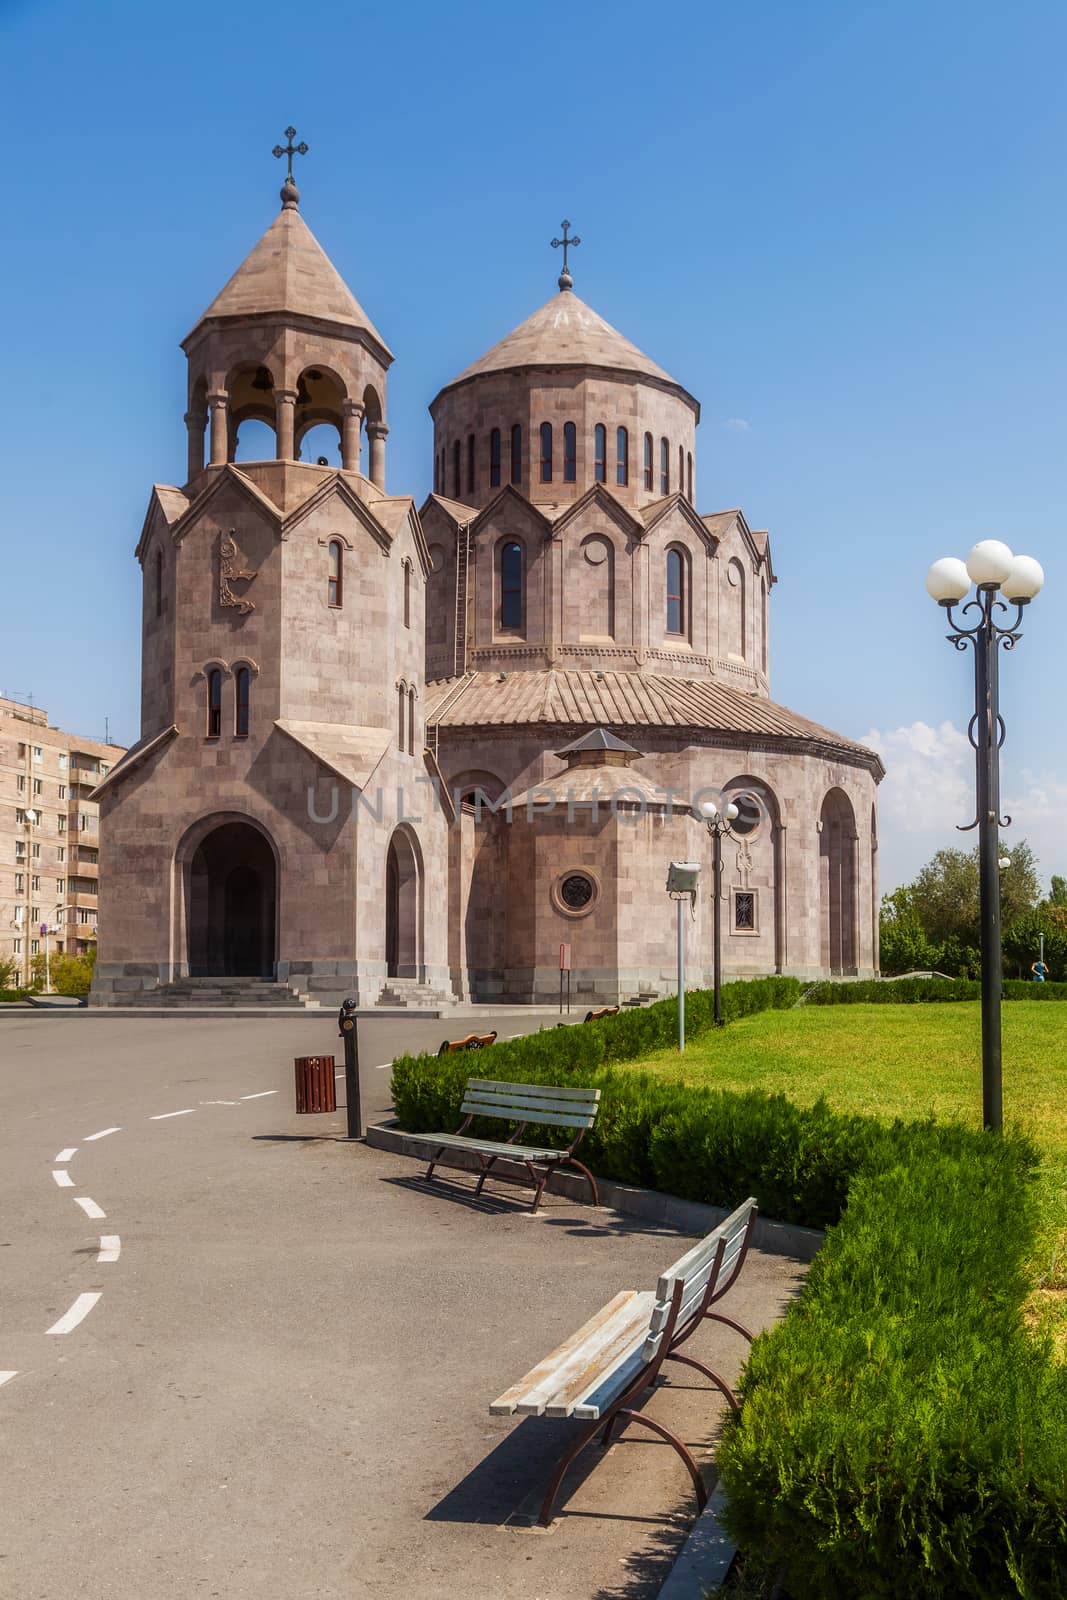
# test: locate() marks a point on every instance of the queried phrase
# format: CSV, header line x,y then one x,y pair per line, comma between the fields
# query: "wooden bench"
x,y
521,1103
605,1011
601,1373
473,1041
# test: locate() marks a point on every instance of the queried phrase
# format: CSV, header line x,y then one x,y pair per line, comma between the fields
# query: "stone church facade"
x,y
395,751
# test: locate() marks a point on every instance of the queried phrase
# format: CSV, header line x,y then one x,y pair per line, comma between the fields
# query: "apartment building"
x,y
49,835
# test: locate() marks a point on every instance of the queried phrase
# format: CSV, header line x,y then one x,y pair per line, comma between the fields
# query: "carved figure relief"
x,y
230,571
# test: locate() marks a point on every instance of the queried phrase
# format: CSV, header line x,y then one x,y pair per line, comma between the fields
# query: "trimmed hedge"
x,y
903,1434
916,991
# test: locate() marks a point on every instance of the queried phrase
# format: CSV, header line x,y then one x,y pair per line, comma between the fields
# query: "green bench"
x,y
525,1104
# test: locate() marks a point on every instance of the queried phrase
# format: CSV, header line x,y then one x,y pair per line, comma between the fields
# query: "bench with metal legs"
x,y
526,1104
601,1374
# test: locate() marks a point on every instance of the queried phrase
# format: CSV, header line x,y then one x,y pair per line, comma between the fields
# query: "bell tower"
x,y
287,343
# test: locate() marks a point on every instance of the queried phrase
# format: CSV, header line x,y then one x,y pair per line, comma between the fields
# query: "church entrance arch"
x,y
403,906
837,883
231,893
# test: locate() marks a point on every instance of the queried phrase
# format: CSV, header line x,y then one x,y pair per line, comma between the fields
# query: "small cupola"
x,y
598,749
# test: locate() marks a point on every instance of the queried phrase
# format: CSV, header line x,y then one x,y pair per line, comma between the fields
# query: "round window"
x,y
575,893
749,814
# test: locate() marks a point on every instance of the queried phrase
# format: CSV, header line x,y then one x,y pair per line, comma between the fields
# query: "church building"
x,y
423,753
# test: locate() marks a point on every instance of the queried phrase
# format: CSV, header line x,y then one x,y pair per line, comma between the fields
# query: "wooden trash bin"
x,y
316,1086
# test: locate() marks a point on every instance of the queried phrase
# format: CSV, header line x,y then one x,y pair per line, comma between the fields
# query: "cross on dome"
x,y
290,192
565,279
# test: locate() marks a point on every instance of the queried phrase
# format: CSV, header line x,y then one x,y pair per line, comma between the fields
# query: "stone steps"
x,y
222,993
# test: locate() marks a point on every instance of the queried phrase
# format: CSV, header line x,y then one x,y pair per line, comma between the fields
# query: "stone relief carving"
x,y
230,571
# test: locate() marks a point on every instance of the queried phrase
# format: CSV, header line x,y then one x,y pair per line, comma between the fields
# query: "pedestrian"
x,y
1040,971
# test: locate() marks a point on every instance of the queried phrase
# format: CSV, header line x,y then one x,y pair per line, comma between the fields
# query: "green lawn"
x,y
908,1061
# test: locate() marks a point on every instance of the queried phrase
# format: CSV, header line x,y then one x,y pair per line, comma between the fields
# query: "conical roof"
x,y
288,271
565,332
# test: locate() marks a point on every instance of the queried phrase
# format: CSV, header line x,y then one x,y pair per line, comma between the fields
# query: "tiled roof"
x,y
565,332
289,271
629,700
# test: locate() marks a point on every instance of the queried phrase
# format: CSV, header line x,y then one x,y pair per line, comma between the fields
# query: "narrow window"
x,y
335,580
516,454
690,479
470,463
511,586
214,703
241,684
407,594
159,583
494,459
664,467
456,485
401,701
600,451
675,592
648,461
436,473
411,722
570,452
681,470
622,457
546,452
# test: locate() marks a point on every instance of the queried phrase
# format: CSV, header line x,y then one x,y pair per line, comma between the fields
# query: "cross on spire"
x,y
290,192
565,279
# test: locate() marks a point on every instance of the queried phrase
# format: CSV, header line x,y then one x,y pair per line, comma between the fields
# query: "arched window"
x,y
494,459
214,703
470,463
241,685
664,467
411,722
407,594
335,582
648,461
600,451
681,470
457,487
546,452
511,585
690,479
570,452
401,702
516,454
677,599
622,457
159,583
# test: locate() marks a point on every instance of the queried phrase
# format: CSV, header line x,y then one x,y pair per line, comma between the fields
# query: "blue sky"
x,y
840,225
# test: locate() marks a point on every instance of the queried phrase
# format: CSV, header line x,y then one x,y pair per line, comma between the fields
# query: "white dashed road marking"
x,y
63,1179
66,1155
101,1135
262,1095
110,1245
6,1377
77,1313
90,1208
163,1115
218,1102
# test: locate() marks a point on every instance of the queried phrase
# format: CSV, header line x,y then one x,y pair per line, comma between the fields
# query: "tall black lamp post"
x,y
998,576
718,819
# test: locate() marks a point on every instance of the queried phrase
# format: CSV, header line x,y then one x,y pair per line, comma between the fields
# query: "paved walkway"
x,y
279,1386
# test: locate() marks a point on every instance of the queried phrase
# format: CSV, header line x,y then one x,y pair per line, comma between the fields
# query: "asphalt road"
x,y
243,1357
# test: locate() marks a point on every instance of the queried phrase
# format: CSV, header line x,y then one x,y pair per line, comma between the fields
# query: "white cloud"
x,y
928,792
738,425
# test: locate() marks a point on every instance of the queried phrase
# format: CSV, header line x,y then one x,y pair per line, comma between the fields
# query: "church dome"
x,y
565,332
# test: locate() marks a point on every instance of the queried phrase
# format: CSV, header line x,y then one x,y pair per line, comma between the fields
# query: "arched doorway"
x,y
232,895
837,883
403,906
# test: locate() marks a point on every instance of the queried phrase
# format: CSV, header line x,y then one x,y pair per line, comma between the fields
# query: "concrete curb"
x,y
688,1216
288,1013
705,1559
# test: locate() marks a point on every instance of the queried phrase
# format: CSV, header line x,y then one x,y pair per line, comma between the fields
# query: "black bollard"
x,y
346,1026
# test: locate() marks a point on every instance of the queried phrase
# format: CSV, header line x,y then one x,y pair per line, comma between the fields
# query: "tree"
x,y
1058,896
941,910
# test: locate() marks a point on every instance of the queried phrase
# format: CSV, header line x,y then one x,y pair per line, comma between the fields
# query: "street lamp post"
x,y
998,576
717,821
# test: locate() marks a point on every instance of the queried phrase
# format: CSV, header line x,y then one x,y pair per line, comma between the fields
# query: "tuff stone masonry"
x,y
384,746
